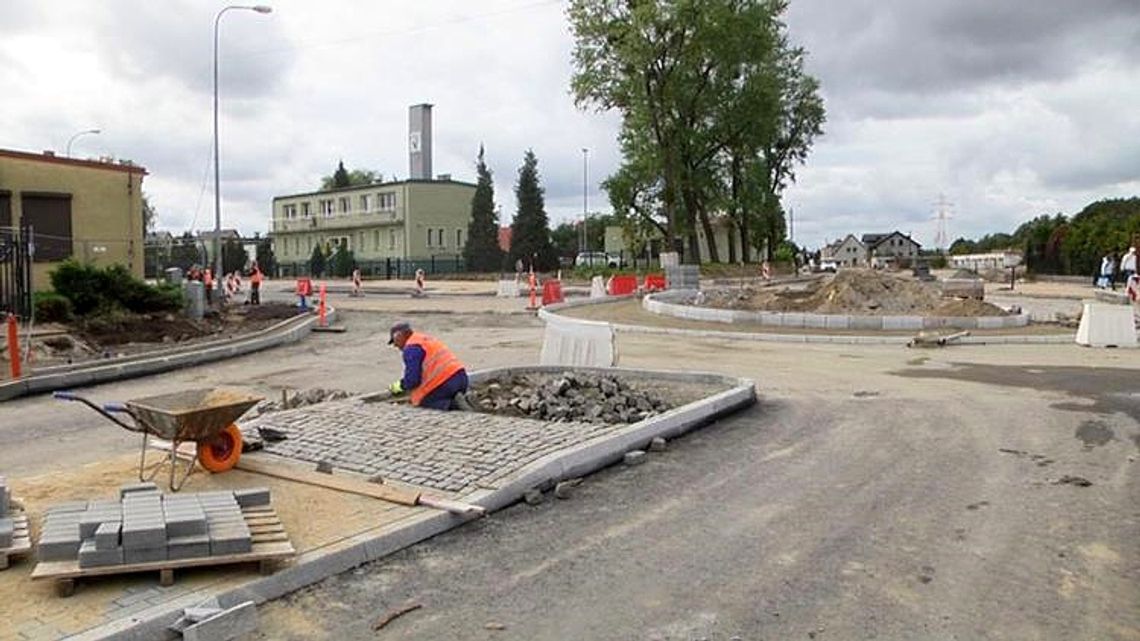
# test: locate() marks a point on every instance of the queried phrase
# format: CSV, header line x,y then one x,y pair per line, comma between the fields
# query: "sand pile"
x,y
852,291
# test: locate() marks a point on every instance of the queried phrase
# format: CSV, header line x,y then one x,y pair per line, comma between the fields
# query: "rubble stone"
x,y
569,396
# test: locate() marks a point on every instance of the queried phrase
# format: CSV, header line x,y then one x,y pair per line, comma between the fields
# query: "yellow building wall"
x,y
106,209
437,205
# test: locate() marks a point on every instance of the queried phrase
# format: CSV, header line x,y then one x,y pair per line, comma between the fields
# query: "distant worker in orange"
x,y
432,374
356,281
208,282
255,284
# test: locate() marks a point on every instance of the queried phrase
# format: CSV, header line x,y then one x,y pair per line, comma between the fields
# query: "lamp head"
x,y
261,8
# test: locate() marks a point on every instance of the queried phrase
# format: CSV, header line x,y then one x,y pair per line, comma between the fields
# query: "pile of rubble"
x,y
569,396
299,398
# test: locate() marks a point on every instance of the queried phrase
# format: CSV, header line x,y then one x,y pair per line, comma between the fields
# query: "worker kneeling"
x,y
432,374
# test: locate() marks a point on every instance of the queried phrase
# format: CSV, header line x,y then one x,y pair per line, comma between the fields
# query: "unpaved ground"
x,y
849,291
861,499
124,334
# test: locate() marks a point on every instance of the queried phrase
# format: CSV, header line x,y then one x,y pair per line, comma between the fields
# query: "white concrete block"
x,y
597,287
815,321
578,343
1105,324
508,289
837,321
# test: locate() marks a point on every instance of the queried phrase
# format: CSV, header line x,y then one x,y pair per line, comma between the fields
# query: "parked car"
x,y
828,266
596,259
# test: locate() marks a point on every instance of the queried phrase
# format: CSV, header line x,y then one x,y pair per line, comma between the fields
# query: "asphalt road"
x,y
937,501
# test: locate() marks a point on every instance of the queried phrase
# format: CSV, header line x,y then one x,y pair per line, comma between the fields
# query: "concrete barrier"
x,y
1106,325
508,289
578,343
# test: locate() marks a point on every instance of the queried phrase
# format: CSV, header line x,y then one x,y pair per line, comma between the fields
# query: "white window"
x,y
386,201
326,207
458,238
364,204
391,239
345,204
305,210
431,235
290,211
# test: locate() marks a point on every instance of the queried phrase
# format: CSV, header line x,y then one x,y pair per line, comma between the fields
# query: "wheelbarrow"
x,y
203,416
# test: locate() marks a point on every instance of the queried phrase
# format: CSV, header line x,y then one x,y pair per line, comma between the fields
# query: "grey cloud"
x,y
174,39
935,48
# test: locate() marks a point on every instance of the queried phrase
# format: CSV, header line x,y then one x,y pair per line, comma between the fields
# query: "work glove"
x,y
396,388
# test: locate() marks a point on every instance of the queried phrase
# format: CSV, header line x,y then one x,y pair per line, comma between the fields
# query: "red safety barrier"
x,y
552,292
654,282
622,285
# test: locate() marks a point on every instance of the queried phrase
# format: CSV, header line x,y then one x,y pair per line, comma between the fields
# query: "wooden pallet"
x,y
21,539
270,545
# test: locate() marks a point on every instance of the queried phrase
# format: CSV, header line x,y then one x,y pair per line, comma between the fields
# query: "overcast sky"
x,y
1010,108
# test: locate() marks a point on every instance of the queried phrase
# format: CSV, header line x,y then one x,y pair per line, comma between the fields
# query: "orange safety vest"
x,y
438,366
255,277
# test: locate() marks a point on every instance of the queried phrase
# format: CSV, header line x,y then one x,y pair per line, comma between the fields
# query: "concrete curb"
x,y
671,304
840,339
317,565
80,375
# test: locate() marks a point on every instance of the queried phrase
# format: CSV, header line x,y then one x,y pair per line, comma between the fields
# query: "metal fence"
x,y
388,268
16,251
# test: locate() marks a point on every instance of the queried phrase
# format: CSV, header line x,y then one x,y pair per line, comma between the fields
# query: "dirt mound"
x,y
269,311
122,328
849,291
968,307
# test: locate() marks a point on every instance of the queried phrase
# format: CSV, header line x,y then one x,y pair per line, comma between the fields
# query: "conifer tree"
x,y
530,230
482,253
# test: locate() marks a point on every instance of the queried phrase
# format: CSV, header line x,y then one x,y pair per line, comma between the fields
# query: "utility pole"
x,y
585,244
942,214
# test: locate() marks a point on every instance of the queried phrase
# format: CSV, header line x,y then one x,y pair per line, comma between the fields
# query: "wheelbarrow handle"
x,y
106,410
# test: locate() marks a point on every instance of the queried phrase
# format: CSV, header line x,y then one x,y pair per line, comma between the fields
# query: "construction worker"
x,y
208,282
432,374
255,284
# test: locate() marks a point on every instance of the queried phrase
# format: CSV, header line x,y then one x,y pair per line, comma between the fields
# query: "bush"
x,y
92,289
52,308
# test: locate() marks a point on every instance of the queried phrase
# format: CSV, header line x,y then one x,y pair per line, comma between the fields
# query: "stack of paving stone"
x,y
145,526
7,525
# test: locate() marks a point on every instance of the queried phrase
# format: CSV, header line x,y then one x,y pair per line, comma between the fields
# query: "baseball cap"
x,y
402,326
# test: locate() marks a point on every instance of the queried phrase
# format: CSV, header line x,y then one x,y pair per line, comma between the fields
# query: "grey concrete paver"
x,y
447,451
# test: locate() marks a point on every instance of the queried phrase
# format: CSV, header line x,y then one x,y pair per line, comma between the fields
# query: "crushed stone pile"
x,y
300,398
569,396
849,291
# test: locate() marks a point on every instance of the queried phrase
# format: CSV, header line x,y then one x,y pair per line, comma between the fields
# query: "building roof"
x,y
50,158
393,183
871,240
225,233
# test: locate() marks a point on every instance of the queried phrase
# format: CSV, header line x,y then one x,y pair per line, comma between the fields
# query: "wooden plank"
x,y
270,538
300,475
21,541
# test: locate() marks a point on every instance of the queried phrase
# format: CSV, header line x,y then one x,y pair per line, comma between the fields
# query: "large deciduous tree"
x,y
716,112
530,230
482,252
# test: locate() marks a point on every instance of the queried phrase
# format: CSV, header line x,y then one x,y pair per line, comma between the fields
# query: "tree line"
x,y
1058,244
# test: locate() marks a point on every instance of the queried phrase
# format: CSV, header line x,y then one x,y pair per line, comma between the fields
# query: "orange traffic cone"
x,y
533,294
322,320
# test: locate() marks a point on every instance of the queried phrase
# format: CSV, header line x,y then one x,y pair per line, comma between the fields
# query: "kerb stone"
x,y
229,624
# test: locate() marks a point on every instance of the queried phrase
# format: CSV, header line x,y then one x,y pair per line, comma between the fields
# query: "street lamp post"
x,y
72,139
585,199
217,169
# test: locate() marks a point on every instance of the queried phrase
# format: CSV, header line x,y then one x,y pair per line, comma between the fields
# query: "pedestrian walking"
x,y
1128,265
356,281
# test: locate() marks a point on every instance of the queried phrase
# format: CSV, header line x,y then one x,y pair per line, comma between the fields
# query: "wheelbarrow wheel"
x,y
223,451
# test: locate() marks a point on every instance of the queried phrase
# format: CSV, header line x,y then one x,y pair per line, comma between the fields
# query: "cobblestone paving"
x,y
444,450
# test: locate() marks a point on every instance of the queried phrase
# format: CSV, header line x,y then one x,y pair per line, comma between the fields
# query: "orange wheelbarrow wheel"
x,y
223,451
